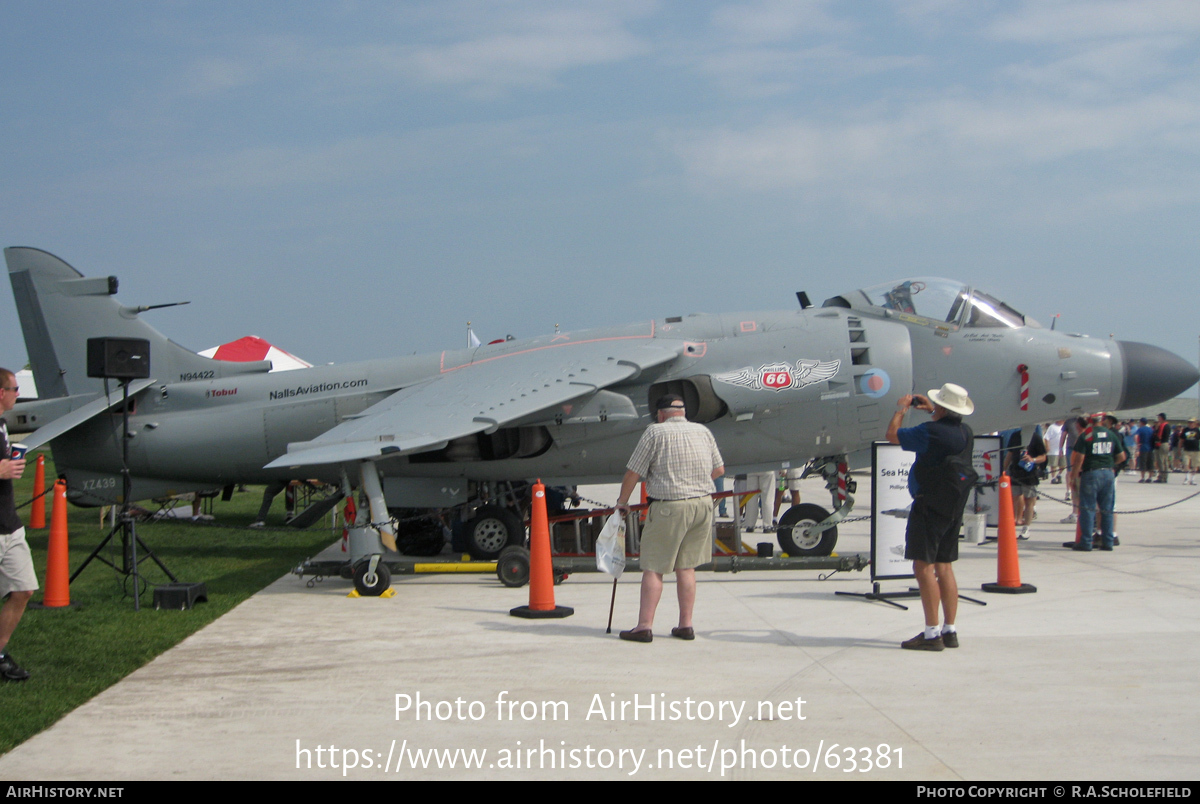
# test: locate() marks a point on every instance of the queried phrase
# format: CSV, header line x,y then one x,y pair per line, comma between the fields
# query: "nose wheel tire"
x,y
792,535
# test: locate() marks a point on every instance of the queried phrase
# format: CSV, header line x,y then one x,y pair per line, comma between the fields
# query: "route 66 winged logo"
x,y
778,376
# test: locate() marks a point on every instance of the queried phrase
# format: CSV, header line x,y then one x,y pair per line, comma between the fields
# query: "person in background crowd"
x,y
1097,452
1190,438
1145,459
1024,469
1070,434
1052,435
1161,442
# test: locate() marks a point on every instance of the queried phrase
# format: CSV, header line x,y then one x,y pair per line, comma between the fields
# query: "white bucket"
x,y
976,527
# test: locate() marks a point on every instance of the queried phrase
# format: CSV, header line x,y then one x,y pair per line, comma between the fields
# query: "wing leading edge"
x,y
479,397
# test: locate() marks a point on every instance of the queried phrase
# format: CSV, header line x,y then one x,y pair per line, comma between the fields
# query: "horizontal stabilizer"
x,y
69,421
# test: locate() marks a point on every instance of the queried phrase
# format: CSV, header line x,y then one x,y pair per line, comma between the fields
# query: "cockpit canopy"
x,y
942,301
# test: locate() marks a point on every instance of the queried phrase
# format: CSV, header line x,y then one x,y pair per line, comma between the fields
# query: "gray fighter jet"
x,y
446,430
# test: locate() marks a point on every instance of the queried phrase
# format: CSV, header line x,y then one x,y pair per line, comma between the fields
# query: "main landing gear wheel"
x,y
493,529
512,568
372,585
792,536
418,537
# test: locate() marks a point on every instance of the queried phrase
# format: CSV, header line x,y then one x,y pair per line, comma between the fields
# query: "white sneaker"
x,y
1069,519
258,524
1024,534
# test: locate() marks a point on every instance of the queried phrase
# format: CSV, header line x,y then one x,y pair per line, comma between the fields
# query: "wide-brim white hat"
x,y
953,398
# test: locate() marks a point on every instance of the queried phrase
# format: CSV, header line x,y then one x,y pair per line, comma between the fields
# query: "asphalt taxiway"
x,y
1093,677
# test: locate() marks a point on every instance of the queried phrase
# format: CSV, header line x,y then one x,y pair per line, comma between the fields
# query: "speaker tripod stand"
x,y
126,525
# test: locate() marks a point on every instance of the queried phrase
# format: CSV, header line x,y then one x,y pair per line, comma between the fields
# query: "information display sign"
x,y
890,503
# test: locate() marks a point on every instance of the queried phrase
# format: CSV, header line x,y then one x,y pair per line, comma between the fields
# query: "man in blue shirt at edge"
x,y
931,539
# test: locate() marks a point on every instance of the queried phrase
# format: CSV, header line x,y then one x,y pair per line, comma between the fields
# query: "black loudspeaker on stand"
x,y
123,359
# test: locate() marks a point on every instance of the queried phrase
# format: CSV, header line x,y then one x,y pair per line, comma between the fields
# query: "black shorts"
x,y
931,537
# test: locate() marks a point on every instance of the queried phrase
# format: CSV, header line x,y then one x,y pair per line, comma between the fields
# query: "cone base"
x,y
52,606
1023,589
558,612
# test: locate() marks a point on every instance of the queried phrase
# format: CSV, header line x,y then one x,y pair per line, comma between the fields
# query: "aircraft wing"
x,y
476,397
70,421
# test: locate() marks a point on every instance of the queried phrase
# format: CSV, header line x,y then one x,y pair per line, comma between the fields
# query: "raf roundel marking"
x,y
875,383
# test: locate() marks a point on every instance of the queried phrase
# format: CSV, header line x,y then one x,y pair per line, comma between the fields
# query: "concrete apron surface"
x,y
1092,677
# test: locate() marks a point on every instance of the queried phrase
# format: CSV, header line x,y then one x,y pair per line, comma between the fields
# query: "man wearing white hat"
x,y
939,481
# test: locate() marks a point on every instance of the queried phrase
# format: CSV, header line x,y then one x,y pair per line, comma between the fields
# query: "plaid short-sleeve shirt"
x,y
677,459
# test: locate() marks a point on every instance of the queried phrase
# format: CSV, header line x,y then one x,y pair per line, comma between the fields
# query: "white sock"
x,y
949,629
932,632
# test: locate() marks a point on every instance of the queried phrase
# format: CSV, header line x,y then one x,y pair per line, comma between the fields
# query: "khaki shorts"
x,y
16,564
1028,492
678,535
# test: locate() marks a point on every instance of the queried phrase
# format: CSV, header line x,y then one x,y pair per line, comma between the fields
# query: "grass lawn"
x,y
72,654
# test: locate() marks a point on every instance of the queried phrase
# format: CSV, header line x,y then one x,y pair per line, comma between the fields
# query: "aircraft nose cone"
x,y
1153,375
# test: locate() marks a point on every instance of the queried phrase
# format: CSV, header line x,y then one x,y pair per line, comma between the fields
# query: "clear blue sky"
x,y
355,180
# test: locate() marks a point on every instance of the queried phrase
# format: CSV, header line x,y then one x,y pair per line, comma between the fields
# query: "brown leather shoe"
x,y
919,642
683,633
645,635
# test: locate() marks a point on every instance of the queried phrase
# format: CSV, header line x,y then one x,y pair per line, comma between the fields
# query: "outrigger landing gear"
x,y
372,577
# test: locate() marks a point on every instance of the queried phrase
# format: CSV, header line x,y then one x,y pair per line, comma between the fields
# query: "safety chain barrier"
x,y
32,500
1138,511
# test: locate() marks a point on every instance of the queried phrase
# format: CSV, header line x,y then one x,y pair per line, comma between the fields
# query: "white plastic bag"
x,y
610,546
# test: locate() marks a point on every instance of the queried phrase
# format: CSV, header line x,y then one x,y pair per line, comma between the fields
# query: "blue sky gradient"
x,y
356,180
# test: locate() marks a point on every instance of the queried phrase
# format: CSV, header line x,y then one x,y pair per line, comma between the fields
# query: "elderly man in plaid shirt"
x,y
679,460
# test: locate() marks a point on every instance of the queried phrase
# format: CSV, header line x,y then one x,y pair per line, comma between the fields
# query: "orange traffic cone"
x,y
541,570
1075,511
37,517
1008,566
58,587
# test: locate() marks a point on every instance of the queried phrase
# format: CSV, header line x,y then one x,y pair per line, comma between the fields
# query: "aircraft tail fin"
x,y
60,309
